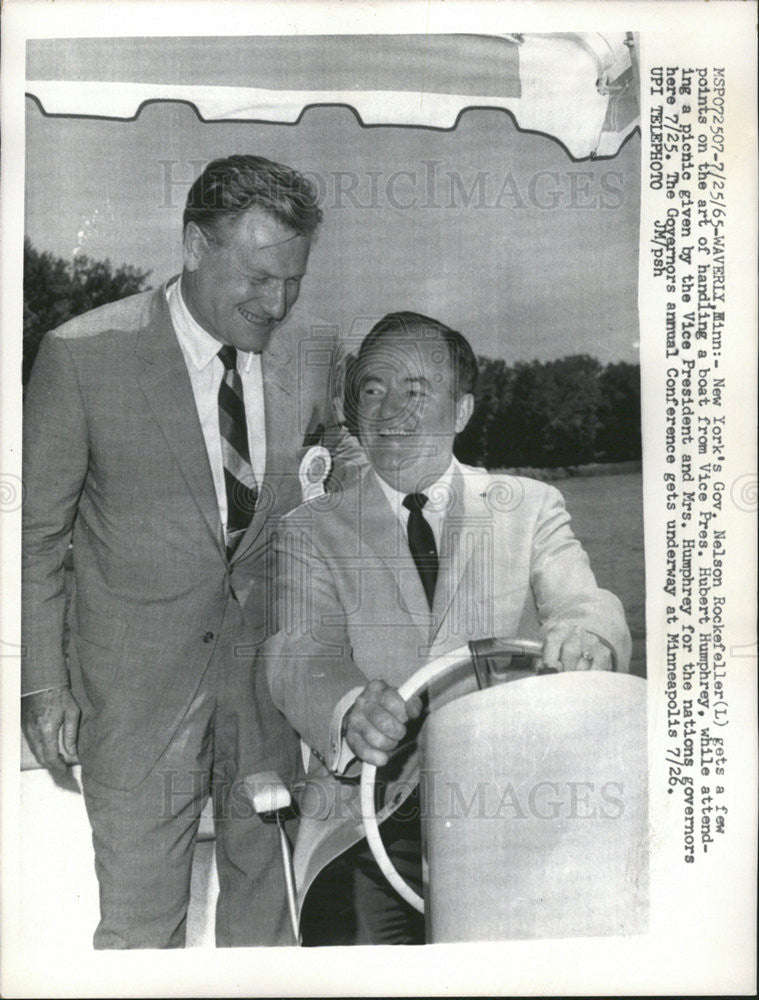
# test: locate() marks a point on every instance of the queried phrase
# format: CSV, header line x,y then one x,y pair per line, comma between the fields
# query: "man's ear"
x,y
464,409
195,245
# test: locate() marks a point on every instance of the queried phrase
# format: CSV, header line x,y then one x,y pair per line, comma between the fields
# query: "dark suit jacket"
x,y
113,450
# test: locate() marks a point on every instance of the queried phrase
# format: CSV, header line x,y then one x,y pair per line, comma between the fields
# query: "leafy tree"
x,y
618,437
481,442
56,290
553,418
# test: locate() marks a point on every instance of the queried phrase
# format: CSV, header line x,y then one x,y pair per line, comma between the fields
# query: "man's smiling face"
x,y
407,413
242,285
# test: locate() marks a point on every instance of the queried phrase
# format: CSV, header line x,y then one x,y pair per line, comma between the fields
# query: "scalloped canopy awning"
x,y
581,89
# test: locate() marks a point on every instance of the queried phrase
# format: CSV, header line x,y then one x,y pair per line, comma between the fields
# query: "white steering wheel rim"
x,y
416,683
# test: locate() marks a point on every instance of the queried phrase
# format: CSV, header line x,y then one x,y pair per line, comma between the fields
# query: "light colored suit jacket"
x,y
352,608
113,450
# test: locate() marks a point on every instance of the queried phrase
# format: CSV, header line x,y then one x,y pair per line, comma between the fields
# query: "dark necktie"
x,y
239,478
421,541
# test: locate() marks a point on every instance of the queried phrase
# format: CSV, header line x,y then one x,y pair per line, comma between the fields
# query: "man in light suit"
x,y
166,431
418,557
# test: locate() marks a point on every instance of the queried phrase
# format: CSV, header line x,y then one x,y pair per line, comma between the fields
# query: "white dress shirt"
x,y
438,498
206,370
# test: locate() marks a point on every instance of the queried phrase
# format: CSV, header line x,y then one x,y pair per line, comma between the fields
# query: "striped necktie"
x,y
239,478
421,541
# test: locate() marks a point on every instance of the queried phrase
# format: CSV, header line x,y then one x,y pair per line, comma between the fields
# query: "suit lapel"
x,y
464,534
168,391
280,488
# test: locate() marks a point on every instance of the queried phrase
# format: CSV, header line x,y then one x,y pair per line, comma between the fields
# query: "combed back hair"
x,y
461,356
229,187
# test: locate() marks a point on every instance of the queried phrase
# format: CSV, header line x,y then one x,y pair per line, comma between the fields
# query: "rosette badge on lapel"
x,y
314,468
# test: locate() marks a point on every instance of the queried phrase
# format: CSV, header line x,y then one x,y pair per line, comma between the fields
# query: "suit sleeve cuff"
x,y
340,754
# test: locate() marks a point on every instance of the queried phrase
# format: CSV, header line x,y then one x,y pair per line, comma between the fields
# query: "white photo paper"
x,y
573,187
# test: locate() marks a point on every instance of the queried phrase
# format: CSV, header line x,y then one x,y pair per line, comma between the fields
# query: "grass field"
x,y
607,517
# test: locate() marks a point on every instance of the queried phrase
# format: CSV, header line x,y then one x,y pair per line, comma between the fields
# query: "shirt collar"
x,y
437,492
198,344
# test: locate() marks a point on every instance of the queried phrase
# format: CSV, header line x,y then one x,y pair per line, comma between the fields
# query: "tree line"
x,y
56,290
547,414
539,414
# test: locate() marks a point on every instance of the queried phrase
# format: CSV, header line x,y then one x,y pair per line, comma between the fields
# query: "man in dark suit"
x,y
167,432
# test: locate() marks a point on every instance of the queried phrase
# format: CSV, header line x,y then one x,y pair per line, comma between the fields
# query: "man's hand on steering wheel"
x,y
376,723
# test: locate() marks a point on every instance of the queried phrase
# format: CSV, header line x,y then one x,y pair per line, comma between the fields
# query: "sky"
x,y
494,231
